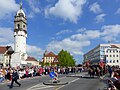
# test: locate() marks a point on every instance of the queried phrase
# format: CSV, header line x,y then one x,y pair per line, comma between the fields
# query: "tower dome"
x,y
20,12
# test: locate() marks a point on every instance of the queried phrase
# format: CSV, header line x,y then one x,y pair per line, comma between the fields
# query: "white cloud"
x,y
92,34
67,44
100,18
64,32
31,15
6,35
34,5
6,38
67,9
118,11
34,51
81,30
7,7
111,32
76,43
95,7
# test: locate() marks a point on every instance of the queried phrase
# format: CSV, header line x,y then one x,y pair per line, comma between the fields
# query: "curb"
x,y
51,83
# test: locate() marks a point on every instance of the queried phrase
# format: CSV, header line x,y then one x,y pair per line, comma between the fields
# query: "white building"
x,y
20,35
5,55
113,55
109,53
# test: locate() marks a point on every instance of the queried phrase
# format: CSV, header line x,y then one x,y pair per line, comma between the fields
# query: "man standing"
x,y
15,77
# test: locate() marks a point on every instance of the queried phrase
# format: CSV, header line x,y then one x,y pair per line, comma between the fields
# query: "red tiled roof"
x,y
31,59
3,49
114,46
50,54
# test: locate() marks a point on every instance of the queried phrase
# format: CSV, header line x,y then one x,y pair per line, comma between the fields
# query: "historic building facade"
x,y
5,55
108,53
31,61
49,57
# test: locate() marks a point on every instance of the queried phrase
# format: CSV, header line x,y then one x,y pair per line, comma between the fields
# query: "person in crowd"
x,y
21,74
15,77
9,74
110,70
98,71
93,71
1,76
115,77
5,73
27,72
111,85
90,71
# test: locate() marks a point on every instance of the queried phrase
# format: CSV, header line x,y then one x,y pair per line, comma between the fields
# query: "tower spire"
x,y
21,4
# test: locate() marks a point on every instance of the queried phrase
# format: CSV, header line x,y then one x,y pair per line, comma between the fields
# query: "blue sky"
x,y
73,25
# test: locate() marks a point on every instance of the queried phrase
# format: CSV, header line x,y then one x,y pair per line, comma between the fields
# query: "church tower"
x,y
20,35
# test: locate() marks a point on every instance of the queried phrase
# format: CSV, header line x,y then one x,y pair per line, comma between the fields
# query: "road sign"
x,y
52,74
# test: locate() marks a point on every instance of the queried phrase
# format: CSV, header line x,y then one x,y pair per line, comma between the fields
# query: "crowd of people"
x,y
8,74
113,80
97,70
26,72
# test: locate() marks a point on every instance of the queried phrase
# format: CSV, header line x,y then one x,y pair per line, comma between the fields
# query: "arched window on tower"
x,y
18,26
23,26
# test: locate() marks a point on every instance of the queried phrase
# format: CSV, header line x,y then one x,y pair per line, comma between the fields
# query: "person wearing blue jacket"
x,y
15,77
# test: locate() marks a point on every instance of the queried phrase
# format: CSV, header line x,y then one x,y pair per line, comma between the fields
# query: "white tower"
x,y
20,35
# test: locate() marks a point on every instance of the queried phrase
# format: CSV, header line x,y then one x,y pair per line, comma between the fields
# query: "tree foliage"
x,y
65,58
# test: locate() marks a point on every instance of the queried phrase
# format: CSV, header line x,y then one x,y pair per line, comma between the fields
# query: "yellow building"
x,y
49,57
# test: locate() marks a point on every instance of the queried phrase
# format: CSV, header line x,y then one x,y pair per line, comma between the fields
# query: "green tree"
x,y
65,58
